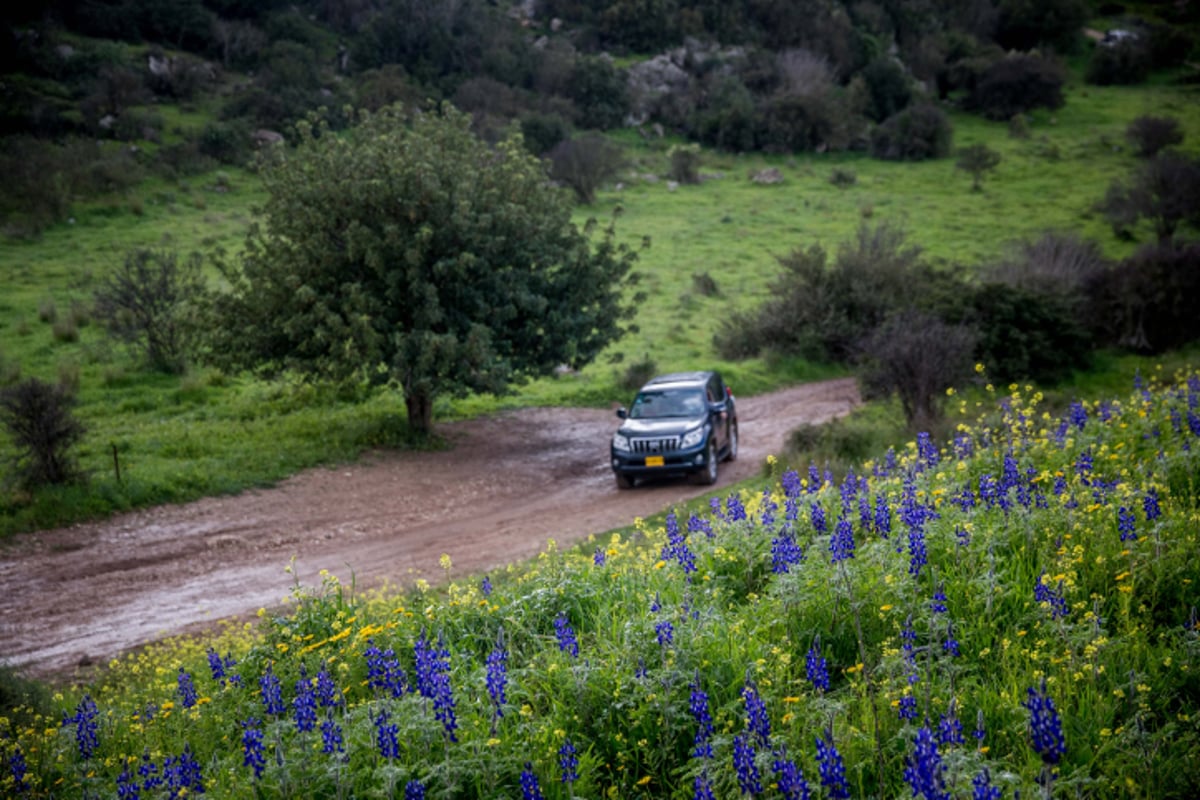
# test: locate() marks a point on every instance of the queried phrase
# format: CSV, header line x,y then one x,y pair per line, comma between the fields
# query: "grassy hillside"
x,y
177,438
1010,611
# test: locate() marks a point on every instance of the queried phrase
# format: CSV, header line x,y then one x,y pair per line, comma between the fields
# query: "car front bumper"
x,y
643,465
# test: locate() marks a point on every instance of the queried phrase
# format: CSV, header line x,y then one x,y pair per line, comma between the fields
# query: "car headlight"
x,y
692,438
620,442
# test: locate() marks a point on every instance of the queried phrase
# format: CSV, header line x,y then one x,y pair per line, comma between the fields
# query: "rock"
x,y
767,176
262,136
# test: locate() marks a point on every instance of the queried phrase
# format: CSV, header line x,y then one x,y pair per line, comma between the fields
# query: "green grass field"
x,y
205,432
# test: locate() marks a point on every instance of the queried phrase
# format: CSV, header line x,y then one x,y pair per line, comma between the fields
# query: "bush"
x,y
145,304
1025,334
888,90
1149,134
543,131
585,163
1147,304
38,418
599,92
226,142
843,177
917,133
1121,63
1164,191
685,163
637,373
729,119
977,159
806,121
917,357
1016,85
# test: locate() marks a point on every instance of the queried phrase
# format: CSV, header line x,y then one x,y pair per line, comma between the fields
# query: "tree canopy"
x,y
409,250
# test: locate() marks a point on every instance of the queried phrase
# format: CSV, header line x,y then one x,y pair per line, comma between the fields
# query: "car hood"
x,y
660,427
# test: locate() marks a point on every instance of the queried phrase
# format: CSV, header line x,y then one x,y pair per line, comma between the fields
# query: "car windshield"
x,y
658,404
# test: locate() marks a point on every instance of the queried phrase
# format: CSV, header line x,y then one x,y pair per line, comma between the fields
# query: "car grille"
x,y
660,445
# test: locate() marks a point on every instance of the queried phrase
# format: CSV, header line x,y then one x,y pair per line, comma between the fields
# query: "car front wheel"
x,y
708,475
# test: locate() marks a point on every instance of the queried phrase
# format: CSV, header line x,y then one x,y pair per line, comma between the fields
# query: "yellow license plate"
x,y
654,461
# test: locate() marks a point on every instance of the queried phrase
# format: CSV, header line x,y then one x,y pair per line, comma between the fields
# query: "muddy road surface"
x,y
79,596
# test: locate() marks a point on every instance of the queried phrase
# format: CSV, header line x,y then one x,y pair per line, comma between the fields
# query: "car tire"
x,y
708,475
623,481
733,442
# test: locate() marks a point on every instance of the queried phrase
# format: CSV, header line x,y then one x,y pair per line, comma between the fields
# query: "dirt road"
x,y
81,595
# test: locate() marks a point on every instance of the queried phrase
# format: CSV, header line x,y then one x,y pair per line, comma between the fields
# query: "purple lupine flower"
x,y
599,557
385,736
698,705
148,772
790,779
907,708
86,727
965,500
530,789
568,763
864,511
950,643
982,789
908,646
429,661
743,761
925,772
486,586
841,544
1044,594
814,479
253,755
17,768
272,692
938,604
883,516
327,691
1084,465
185,689
567,643
790,481
127,787
699,525
714,505
664,631
182,774
414,790
980,728
918,555
443,704
702,789
676,548
950,729
831,768
1150,505
927,451
767,514
784,553
734,510
964,448
758,722
220,668
497,678
304,706
1077,414
962,536
332,741
1045,726
1125,525
815,667
817,517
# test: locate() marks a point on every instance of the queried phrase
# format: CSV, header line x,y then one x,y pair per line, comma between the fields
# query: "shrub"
x,y
1165,191
917,357
729,119
543,131
1016,85
842,177
637,373
228,142
1121,63
145,303
917,133
1024,25
1147,304
43,430
600,93
1062,263
585,163
977,159
888,90
685,163
1150,134
802,121
705,284
1025,334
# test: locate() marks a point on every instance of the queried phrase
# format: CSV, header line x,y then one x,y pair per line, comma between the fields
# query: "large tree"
x,y
410,250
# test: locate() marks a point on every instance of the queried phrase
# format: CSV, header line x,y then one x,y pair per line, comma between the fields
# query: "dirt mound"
x,y
82,595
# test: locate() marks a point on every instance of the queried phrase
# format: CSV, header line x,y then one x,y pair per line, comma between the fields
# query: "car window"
x,y
670,403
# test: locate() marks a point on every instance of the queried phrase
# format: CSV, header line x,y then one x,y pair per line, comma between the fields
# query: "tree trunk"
x,y
420,412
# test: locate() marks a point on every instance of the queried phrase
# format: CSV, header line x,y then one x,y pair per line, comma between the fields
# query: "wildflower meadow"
x,y
1010,613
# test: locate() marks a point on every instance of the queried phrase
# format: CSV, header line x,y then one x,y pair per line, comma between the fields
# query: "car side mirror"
x,y
622,413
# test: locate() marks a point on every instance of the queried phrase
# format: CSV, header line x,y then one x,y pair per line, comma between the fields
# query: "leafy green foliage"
x,y
412,251
1149,134
977,159
146,304
917,133
1017,84
39,421
1148,302
1164,190
584,163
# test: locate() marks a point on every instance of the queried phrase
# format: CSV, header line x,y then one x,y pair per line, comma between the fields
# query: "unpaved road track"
x,y
82,595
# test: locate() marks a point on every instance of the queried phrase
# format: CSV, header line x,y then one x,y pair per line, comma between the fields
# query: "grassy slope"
x,y
180,438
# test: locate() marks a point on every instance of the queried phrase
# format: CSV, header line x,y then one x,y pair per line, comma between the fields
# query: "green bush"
x,y
39,420
543,131
888,90
1147,303
1121,63
917,133
685,163
1017,84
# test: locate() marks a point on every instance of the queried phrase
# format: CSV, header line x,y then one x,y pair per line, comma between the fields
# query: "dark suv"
x,y
680,424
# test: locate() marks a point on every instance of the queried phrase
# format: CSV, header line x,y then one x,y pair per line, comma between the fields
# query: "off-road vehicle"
x,y
679,424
